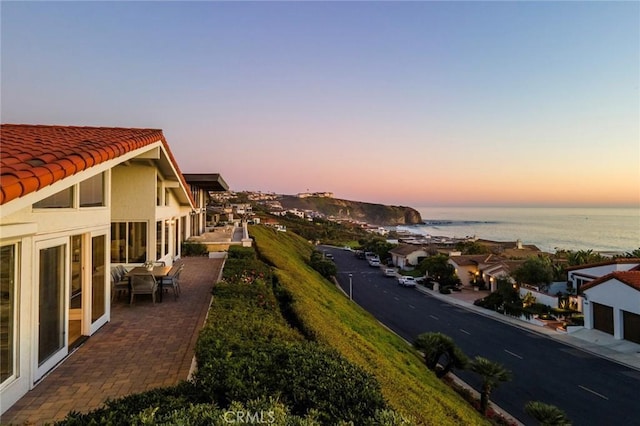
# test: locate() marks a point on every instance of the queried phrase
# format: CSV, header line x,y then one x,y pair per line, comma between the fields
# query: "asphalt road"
x,y
591,390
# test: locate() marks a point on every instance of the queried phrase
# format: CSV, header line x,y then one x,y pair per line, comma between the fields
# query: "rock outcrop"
x,y
375,214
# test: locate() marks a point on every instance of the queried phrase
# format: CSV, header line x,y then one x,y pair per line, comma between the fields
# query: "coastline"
x,y
605,230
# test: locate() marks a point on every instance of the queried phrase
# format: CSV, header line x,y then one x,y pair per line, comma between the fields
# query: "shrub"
x,y
193,249
325,267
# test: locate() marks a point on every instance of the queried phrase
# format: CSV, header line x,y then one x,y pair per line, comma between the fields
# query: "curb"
x,y
454,378
554,335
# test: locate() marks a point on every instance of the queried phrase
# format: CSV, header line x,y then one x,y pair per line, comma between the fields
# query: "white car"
x,y
407,281
389,272
374,262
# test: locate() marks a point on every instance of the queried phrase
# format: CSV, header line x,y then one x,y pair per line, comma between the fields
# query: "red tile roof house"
x,y
73,202
610,296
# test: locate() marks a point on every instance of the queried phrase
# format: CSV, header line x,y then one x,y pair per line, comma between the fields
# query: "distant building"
x,y
315,194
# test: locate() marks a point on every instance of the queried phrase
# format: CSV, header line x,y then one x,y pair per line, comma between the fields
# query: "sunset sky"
x,y
411,103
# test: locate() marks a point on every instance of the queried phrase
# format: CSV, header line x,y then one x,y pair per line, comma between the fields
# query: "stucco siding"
x,y
614,293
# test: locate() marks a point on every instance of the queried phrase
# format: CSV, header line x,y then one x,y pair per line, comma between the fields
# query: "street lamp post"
x,y
350,288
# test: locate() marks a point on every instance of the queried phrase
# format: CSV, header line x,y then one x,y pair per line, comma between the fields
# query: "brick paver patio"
x,y
143,347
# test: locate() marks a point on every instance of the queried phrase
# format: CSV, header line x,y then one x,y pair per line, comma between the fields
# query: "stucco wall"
x,y
616,294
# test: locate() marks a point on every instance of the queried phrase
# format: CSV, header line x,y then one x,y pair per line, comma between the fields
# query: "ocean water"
x,y
551,229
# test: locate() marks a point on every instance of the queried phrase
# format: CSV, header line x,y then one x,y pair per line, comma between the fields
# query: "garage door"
x,y
603,318
631,324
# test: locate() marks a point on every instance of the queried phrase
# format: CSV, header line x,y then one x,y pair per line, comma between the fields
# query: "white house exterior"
x,y
406,255
578,276
612,304
470,267
74,201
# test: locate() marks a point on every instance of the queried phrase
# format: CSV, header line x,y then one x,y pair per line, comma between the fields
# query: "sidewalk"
x,y
594,341
144,346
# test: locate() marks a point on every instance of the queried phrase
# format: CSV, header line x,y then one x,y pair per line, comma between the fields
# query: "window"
x,y
128,242
7,310
92,191
118,242
158,239
59,200
166,237
137,242
98,305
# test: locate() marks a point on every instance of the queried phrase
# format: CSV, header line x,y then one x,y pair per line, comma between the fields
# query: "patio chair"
x,y
173,280
119,284
143,284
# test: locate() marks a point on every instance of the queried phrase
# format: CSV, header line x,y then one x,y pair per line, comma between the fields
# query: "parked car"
x,y
407,281
374,262
389,272
328,256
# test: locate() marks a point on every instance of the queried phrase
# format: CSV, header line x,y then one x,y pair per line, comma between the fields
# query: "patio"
x,y
143,347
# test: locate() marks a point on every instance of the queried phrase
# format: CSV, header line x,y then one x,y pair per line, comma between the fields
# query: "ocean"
x,y
606,230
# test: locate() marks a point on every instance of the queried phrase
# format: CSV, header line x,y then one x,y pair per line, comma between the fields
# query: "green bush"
x,y
194,249
247,350
324,266
239,252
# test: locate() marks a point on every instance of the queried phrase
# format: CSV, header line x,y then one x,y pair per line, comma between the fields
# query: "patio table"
x,y
159,272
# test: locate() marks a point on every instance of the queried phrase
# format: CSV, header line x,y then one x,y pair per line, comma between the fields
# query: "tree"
x,y
439,268
535,271
547,414
492,375
634,253
583,257
472,247
439,349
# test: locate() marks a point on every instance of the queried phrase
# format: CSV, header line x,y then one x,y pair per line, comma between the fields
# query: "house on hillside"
x,y
469,267
577,276
611,304
203,187
510,249
502,268
407,255
73,202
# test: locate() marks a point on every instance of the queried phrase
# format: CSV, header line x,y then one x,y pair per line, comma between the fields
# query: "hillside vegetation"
x,y
328,317
378,214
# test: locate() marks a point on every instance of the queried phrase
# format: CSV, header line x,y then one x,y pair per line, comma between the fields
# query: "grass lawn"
x,y
328,316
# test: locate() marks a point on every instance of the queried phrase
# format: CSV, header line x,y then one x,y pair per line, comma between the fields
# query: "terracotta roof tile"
x,y
34,156
630,278
614,261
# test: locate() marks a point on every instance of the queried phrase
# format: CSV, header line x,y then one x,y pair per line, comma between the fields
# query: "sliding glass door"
x,y
52,301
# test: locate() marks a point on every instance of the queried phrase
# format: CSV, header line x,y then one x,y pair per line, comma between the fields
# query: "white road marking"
x,y
396,298
593,392
465,332
434,317
512,354
412,307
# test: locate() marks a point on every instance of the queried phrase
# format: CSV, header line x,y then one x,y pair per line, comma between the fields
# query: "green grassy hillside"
x,y
328,316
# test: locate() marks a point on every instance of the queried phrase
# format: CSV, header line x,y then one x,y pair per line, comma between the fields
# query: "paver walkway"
x,y
143,347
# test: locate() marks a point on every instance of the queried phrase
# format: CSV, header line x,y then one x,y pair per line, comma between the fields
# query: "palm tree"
x,y
492,375
440,349
634,253
546,414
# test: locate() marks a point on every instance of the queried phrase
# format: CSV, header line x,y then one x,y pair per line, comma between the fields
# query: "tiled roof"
x,y
405,249
34,156
614,261
630,278
472,259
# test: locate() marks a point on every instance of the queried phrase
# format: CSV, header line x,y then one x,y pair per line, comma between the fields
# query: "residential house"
x,y
469,267
407,255
203,186
577,276
502,268
74,201
611,304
